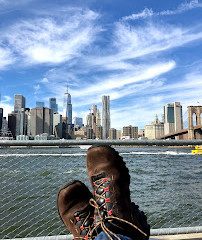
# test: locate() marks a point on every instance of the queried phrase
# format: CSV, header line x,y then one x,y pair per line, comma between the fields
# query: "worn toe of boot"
x,y
74,208
110,181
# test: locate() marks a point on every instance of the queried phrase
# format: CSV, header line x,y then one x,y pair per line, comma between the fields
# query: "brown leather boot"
x,y
110,180
74,209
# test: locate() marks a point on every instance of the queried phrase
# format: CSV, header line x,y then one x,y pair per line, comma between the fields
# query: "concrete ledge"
x,y
192,236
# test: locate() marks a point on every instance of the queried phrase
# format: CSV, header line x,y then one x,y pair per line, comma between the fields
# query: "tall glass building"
x,y
173,120
53,105
40,104
19,103
67,107
1,117
78,121
105,116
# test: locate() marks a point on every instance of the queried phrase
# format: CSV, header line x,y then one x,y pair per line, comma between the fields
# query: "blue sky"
x,y
144,54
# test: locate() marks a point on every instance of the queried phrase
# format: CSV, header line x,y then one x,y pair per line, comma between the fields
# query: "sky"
x,y
143,54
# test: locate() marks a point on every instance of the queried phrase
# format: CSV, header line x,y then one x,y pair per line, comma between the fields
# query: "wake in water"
x,y
157,153
84,154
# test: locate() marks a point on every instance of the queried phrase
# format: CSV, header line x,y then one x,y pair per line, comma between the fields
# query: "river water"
x,y
165,183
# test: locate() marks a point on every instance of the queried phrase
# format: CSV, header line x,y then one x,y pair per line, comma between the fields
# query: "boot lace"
x,y
103,209
84,220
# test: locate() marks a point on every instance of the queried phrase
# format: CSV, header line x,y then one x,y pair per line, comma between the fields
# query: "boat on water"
x,y
198,150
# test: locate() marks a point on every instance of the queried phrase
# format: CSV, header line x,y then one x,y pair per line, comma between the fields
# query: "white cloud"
x,y
118,82
6,58
7,108
44,80
140,113
149,12
50,40
36,88
6,99
130,43
144,14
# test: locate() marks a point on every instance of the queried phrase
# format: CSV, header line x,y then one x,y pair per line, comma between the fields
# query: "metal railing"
x,y
101,142
30,178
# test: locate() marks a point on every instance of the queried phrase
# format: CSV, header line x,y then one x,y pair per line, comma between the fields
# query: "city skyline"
x,y
143,55
68,100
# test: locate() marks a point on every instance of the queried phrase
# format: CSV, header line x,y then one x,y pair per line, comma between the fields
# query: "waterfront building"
x,y
81,133
94,119
98,119
19,102
22,138
112,133
27,122
173,120
44,137
41,121
99,132
89,133
155,129
22,122
53,105
1,117
40,104
89,120
12,123
57,125
106,116
67,107
130,132
141,133
4,127
19,107
118,134
67,129
95,110
78,121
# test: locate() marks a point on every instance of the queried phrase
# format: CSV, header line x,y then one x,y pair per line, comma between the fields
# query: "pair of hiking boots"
x,y
109,208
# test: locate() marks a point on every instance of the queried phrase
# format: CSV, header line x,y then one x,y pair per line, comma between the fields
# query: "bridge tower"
x,y
198,111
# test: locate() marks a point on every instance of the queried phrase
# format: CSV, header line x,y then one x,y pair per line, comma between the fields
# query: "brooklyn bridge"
x,y
193,131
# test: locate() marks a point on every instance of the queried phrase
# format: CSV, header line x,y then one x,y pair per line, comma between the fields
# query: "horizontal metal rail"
x,y
154,232
65,143
172,231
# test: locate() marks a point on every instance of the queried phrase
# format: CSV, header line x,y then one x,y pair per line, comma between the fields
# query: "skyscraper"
x,y
78,121
130,131
41,121
19,103
105,116
57,125
40,104
1,117
19,107
98,119
12,123
172,118
94,119
53,105
67,107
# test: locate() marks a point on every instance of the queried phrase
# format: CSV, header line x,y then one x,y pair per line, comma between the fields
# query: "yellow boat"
x,y
198,150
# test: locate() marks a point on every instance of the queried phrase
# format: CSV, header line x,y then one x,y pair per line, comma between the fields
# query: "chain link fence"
x,y
165,183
